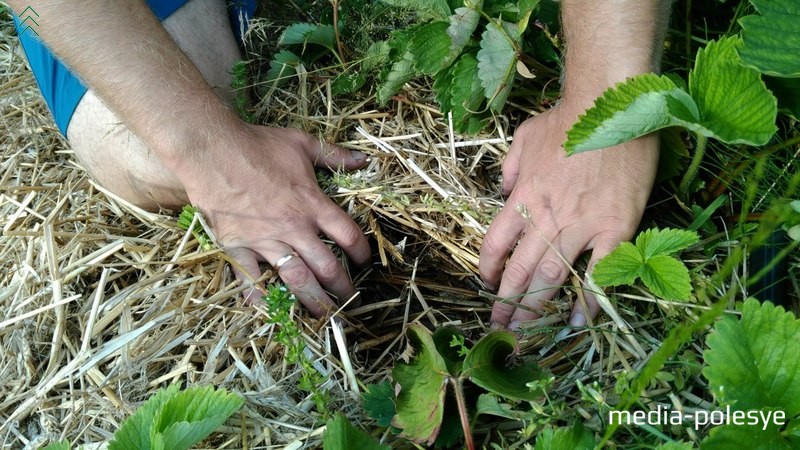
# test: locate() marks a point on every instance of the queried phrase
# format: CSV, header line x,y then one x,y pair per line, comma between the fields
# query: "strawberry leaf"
x,y
490,364
620,267
666,277
340,434
466,95
402,71
749,436
654,242
431,47
772,38
378,402
282,67
423,380
432,9
309,33
135,430
497,63
575,437
462,24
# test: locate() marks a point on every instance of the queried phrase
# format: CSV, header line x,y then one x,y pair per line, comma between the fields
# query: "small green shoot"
x,y
279,302
185,221
666,276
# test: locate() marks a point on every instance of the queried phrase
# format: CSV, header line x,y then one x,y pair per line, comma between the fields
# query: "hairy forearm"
x,y
120,50
608,41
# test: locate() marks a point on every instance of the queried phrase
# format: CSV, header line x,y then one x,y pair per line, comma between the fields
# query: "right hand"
x,y
259,193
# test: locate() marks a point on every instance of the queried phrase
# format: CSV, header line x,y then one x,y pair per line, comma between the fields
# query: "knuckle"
x,y
350,235
517,275
552,272
329,270
296,275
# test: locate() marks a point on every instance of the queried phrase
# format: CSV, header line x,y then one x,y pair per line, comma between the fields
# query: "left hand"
x,y
588,201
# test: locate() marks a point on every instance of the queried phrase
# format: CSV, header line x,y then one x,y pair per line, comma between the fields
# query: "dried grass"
x,y
101,303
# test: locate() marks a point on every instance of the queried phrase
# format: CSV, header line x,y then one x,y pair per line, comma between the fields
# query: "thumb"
x,y
511,166
333,157
580,311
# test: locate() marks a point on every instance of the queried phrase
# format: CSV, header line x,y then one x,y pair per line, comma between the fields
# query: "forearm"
x,y
609,41
122,52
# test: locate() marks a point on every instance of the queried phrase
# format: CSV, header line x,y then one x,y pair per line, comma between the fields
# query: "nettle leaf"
x,y
309,33
497,63
490,364
191,415
649,259
433,9
135,430
378,402
733,101
340,434
431,47
466,95
771,40
664,242
423,381
575,437
752,362
462,24
400,73
666,277
282,67
634,108
620,267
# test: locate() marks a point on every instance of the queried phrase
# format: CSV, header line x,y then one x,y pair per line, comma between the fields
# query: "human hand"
x,y
588,201
260,196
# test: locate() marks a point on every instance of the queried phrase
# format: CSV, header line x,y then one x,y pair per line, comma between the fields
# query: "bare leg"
x,y
118,159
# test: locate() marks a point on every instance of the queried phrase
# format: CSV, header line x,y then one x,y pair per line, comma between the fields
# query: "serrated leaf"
x,y
347,83
752,363
423,380
282,67
666,277
733,101
442,85
620,267
575,437
634,108
135,430
434,9
309,33
376,55
466,92
490,365
747,436
191,415
430,47
401,71
772,39
497,64
378,402
490,405
462,24
60,445
340,434
653,241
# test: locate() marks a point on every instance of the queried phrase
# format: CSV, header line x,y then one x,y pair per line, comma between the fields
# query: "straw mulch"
x,y
101,303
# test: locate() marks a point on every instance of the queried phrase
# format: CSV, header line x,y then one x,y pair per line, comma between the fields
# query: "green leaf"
x,y
423,380
752,363
401,71
135,430
675,445
526,8
309,33
60,445
466,94
666,277
575,437
733,101
442,338
376,55
462,24
431,47
442,86
747,436
772,39
497,64
347,82
654,242
282,67
490,364
378,402
489,404
433,9
640,105
191,415
340,434
620,267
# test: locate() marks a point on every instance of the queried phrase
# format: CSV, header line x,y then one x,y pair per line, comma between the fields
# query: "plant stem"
x,y
462,412
691,172
339,46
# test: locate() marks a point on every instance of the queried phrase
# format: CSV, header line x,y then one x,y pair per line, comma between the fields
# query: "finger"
x,y
339,226
511,165
551,271
326,267
603,245
332,157
500,239
246,271
292,269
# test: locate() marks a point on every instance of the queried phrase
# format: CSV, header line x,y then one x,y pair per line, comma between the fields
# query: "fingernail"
x,y
359,156
577,320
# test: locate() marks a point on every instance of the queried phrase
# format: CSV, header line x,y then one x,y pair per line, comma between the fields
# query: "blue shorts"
x,y
63,91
